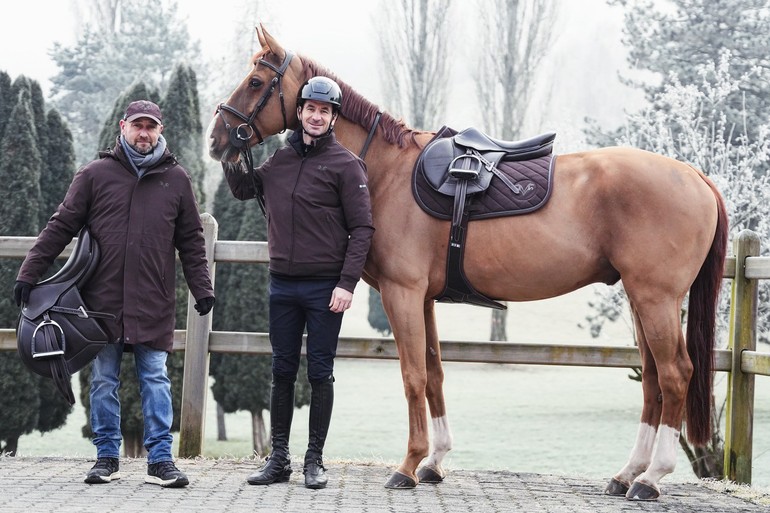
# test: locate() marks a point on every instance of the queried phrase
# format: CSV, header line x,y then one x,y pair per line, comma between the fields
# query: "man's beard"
x,y
141,152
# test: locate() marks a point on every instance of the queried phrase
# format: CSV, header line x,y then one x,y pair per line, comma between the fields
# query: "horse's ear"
x,y
260,29
268,42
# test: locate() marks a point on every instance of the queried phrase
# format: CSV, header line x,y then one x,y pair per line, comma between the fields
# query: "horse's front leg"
x,y
405,313
432,471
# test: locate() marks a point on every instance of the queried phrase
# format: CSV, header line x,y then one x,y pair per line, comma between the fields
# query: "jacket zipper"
x,y
293,216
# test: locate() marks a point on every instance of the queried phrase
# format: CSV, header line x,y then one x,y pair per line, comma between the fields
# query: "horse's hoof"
x,y
615,487
401,481
642,492
430,474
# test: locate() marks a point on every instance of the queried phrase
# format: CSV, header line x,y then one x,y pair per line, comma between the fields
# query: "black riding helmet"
x,y
320,89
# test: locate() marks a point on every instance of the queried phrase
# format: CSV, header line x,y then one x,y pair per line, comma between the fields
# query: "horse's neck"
x,y
381,155
351,135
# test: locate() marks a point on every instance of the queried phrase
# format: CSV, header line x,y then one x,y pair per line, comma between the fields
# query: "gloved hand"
x,y
21,292
204,306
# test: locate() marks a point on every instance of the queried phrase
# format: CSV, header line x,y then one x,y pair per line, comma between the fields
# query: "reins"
x,y
369,137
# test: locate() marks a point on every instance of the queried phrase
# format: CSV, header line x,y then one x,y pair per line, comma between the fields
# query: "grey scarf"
x,y
142,163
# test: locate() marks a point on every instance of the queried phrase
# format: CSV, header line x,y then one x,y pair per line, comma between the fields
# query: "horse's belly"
x,y
526,266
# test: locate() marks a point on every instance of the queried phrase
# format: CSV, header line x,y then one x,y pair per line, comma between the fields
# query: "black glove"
x,y
21,292
204,306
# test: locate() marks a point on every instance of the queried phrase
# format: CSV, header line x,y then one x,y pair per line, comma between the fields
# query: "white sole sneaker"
x,y
102,479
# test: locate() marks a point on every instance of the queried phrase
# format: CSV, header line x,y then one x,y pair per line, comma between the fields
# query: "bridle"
x,y
240,135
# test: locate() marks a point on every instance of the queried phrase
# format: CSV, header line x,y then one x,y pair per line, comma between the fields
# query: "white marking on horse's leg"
x,y
664,460
641,454
442,443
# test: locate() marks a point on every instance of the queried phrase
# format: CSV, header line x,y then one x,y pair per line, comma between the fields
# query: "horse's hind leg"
x,y
660,322
641,454
432,471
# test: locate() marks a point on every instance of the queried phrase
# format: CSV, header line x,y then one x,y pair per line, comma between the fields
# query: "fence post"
x,y
740,388
196,361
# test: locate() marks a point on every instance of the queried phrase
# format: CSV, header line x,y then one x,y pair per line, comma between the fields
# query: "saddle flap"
x,y
76,270
441,164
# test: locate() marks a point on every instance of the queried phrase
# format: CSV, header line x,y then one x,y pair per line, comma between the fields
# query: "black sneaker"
x,y
104,471
165,474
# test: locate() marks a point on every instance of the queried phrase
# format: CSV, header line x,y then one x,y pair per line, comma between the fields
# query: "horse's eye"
x,y
255,83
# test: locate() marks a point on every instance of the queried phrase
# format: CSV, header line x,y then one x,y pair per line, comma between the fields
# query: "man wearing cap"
x,y
139,205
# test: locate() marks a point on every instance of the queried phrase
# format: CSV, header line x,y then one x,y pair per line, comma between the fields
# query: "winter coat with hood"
x,y
138,223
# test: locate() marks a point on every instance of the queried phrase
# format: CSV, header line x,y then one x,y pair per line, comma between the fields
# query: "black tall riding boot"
x,y
321,402
277,469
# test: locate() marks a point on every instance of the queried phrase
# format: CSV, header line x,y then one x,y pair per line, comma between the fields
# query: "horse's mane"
x,y
361,111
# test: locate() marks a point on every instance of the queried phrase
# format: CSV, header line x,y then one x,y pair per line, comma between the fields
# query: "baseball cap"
x,y
143,109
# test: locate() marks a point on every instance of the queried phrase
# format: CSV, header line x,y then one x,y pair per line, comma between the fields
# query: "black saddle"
x,y
461,166
473,157
57,335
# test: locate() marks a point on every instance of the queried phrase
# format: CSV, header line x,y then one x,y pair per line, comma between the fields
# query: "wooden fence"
x,y
740,360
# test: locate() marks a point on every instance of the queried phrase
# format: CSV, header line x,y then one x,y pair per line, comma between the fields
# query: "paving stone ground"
x,y
51,484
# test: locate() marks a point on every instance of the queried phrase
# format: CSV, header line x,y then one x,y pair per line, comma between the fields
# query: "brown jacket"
x,y
319,213
138,223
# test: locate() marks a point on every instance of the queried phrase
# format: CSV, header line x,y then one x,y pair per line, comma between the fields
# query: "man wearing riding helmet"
x,y
319,233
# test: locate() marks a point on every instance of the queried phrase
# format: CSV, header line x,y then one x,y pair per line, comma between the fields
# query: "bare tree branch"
x,y
515,35
413,43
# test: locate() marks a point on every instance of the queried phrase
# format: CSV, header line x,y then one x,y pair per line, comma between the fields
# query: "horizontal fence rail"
x,y
457,351
740,360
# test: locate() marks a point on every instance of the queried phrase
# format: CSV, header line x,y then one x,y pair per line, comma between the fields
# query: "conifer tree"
x,y
7,100
20,165
38,111
184,136
183,130
59,168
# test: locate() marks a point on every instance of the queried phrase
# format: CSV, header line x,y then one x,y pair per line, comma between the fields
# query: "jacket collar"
x,y
296,142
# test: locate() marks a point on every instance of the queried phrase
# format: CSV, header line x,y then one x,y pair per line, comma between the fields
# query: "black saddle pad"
x,y
532,178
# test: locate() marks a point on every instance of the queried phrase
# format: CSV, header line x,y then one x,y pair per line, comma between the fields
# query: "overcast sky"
x,y
581,79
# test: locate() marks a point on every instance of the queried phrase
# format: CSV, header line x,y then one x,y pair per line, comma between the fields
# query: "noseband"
x,y
240,135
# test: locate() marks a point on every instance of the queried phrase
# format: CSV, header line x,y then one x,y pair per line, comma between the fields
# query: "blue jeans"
x,y
295,305
155,390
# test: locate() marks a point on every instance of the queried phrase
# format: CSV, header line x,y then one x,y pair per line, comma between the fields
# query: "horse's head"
x,y
263,104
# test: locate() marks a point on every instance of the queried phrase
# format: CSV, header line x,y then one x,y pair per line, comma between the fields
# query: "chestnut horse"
x,y
655,223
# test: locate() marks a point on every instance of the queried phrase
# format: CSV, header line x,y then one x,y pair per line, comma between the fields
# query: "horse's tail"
x,y
701,327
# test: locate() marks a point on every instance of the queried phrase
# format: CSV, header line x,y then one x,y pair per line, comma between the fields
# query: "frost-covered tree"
x,y
122,42
691,122
682,35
